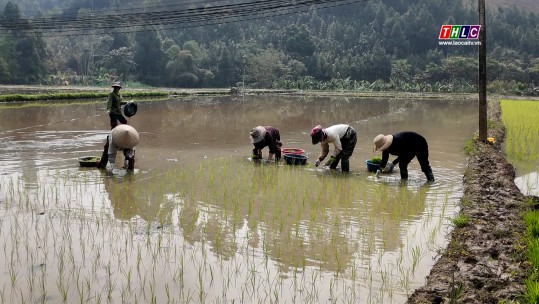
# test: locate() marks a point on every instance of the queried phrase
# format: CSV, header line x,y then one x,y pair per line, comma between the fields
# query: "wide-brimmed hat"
x,y
382,142
257,134
124,136
317,133
117,84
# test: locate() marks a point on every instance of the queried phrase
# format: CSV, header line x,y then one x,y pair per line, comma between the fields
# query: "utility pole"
x,y
243,81
482,76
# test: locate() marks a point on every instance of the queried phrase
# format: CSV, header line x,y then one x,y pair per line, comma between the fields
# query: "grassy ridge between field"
x,y
522,149
78,95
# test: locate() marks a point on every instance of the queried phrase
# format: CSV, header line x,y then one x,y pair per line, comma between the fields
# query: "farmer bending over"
x,y
266,136
406,146
344,139
122,137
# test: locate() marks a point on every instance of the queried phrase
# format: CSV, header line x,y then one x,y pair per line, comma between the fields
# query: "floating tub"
x,y
372,167
295,159
89,161
296,151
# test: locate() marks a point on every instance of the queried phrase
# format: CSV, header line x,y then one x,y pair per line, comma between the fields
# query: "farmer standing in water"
x,y
406,146
125,138
266,136
114,104
343,137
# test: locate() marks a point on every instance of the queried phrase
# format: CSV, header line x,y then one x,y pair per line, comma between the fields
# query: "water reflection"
x,y
287,213
528,183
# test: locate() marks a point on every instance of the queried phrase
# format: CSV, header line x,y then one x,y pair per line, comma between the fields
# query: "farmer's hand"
x,y
317,162
331,160
388,168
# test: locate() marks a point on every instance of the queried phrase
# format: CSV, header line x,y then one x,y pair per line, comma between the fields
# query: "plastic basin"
x,y
89,161
296,151
295,159
372,167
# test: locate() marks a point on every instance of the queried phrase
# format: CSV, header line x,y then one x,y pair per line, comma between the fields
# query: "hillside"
x,y
366,45
524,5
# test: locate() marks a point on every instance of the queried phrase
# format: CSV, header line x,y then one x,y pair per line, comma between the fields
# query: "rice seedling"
x,y
532,291
218,230
521,147
522,133
532,224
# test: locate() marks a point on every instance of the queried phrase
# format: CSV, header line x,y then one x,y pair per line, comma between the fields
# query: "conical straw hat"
x,y
382,142
124,136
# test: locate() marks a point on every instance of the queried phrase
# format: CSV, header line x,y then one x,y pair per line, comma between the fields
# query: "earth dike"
x,y
485,260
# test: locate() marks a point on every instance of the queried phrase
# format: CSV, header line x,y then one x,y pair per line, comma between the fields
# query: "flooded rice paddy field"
x,y
199,222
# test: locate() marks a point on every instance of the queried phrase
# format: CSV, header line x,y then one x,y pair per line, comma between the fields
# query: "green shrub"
x,y
81,95
460,221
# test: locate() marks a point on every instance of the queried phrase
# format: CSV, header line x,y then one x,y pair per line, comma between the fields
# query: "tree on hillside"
x,y
461,69
222,66
265,68
533,71
31,59
119,40
420,29
27,61
120,61
397,42
182,70
5,74
401,72
149,56
297,41
193,48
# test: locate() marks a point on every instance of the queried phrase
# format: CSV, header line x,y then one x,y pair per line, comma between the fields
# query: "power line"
x,y
163,5
182,18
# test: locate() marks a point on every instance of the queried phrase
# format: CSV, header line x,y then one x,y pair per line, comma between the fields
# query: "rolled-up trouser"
x,y
348,143
129,153
129,162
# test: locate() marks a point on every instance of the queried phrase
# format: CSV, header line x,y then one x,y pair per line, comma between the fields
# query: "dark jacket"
x,y
114,103
405,145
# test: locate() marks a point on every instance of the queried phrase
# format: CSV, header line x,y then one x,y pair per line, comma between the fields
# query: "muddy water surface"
x,y
199,222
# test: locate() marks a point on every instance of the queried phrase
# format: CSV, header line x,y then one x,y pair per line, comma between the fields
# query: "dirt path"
x,y
484,261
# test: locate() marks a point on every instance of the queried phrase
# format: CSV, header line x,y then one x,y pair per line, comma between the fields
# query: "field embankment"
x,y
14,93
484,261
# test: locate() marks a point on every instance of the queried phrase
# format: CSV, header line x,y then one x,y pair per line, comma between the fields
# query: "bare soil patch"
x,y
484,261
